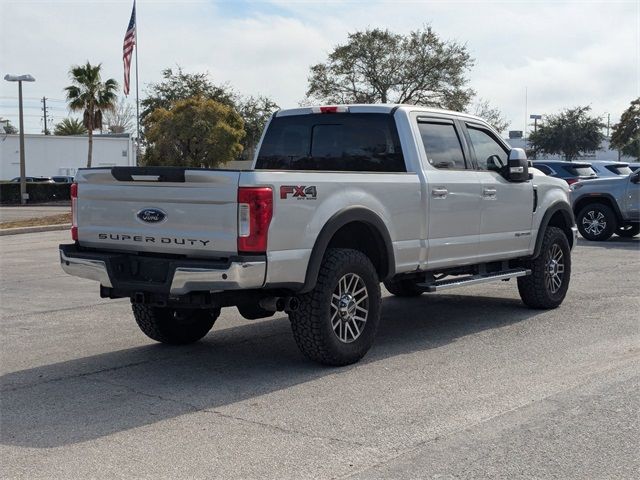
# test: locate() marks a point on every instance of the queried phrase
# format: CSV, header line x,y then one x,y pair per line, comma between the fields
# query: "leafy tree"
x,y
571,133
8,128
255,112
70,126
89,94
196,132
122,118
382,66
178,85
625,136
483,109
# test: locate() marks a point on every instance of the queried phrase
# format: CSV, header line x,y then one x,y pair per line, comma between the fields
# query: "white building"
x,y
47,155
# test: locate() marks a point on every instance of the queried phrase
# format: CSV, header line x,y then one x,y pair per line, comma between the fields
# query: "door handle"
x,y
489,192
439,192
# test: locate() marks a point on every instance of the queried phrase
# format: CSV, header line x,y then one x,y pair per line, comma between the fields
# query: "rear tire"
x,y
596,222
405,287
336,322
547,285
628,231
174,326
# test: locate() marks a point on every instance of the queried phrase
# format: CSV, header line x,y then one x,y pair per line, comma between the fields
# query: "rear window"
x,y
580,171
619,170
351,142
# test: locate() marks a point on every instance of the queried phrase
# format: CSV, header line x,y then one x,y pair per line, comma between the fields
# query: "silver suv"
x,y
606,206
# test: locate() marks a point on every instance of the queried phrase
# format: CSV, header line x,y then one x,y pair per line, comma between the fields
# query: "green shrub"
x,y
38,192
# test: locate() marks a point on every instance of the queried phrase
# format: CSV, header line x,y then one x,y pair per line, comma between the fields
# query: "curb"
x,y
41,228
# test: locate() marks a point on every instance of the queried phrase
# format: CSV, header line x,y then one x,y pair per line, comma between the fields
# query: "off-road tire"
x,y
174,326
628,231
311,322
534,290
609,219
405,287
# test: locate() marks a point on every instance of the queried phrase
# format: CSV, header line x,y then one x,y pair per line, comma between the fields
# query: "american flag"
x,y
127,48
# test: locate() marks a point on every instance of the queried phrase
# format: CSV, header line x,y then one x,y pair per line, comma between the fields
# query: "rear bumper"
x,y
130,273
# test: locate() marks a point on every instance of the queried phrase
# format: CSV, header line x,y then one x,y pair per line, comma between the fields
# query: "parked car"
x,y
634,166
605,168
63,178
339,199
34,179
606,206
571,172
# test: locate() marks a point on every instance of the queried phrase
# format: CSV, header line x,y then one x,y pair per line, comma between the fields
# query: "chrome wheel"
x,y
349,308
554,269
594,222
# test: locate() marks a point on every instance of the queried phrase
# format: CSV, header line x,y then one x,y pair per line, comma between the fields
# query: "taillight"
x,y
74,211
255,209
571,181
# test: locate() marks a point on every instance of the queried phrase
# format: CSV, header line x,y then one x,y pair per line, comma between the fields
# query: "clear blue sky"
x,y
565,53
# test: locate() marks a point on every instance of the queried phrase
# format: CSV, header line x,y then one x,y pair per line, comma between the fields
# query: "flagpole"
x,y
137,97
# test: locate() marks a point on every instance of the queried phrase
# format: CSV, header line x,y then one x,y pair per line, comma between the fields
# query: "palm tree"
x,y
70,126
89,94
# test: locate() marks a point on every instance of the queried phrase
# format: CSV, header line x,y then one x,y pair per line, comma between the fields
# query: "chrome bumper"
x,y
185,279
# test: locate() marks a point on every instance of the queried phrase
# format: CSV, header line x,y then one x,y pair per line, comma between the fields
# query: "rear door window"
x,y
580,171
544,169
352,142
442,145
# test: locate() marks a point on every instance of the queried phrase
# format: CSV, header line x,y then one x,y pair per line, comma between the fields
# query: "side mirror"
x,y
635,177
518,166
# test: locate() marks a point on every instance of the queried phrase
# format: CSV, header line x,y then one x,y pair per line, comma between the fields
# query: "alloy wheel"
x,y
594,222
554,269
349,308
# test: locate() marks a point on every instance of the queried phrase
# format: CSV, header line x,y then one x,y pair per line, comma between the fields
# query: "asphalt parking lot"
x,y
469,384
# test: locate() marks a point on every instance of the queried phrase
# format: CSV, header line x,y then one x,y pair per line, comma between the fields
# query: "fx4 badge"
x,y
298,192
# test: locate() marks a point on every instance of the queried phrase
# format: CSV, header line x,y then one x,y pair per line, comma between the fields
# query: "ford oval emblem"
x,y
151,215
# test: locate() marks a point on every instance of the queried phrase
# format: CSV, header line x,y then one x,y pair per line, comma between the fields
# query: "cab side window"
x,y
490,155
442,145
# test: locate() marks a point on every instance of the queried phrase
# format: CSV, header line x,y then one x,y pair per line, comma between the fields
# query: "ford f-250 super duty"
x,y
339,199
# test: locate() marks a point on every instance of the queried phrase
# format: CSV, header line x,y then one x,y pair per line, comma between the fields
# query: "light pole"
x,y
535,119
20,79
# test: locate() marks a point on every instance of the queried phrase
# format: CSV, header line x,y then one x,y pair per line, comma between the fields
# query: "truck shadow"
x,y
615,243
92,397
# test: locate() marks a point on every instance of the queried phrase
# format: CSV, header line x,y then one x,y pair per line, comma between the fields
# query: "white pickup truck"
x,y
339,199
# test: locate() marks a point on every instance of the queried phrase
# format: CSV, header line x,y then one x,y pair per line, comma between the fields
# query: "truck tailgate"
x,y
159,209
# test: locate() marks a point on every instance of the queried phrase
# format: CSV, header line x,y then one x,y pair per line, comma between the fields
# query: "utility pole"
x,y
608,123
44,110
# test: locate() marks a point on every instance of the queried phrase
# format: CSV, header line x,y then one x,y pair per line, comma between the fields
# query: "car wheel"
x,y
406,287
596,222
175,326
547,285
628,231
336,322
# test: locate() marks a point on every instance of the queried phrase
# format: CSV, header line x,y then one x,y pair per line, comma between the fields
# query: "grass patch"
x,y
38,222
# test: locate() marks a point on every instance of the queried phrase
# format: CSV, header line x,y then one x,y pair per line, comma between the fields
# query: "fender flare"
x,y
567,213
337,221
595,197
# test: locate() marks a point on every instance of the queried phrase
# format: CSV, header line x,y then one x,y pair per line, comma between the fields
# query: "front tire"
x,y
174,326
547,285
336,322
628,231
596,222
